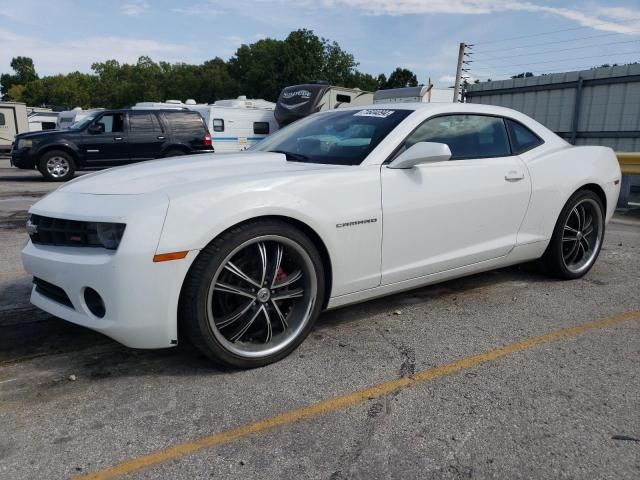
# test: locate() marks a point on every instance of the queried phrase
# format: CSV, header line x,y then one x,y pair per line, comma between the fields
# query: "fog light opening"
x,y
94,302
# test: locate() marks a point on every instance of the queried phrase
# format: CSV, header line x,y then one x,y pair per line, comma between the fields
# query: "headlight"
x,y
73,233
24,143
110,234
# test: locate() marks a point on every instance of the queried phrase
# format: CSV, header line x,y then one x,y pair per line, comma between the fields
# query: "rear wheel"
x,y
57,166
577,237
253,294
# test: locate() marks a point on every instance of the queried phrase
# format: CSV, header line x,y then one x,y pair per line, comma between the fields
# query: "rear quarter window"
x,y
522,139
185,123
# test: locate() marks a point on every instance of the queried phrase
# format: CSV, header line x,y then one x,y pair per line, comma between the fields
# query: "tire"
x,y
577,237
173,153
57,166
253,294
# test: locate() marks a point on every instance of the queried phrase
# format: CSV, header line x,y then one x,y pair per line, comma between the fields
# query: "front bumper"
x,y
140,296
23,158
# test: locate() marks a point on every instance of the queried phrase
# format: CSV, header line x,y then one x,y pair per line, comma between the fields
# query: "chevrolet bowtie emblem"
x,y
32,228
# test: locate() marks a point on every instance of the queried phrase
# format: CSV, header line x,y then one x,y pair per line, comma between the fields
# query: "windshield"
x,y
80,124
343,137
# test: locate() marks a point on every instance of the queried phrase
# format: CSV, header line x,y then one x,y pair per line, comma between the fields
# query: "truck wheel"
x,y
57,166
253,294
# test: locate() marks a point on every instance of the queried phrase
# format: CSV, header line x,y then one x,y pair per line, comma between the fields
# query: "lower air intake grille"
x,y
52,292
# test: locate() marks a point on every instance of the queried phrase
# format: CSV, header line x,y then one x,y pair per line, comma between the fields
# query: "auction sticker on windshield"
x,y
374,113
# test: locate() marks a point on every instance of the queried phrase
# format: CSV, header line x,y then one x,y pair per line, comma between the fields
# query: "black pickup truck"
x,y
109,138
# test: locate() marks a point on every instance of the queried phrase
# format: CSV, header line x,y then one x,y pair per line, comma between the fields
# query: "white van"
x,y
13,120
234,124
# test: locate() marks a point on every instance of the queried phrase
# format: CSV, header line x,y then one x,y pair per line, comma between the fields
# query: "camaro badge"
x,y
356,222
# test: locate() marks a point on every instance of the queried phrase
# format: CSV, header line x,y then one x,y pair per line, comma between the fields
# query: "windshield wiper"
x,y
295,157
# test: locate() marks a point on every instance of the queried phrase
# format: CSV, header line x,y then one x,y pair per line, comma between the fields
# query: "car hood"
x,y
156,175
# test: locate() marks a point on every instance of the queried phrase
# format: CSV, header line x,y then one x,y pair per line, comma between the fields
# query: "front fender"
x,y
196,218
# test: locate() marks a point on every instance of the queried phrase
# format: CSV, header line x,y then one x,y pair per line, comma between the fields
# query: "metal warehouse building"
x,y
600,106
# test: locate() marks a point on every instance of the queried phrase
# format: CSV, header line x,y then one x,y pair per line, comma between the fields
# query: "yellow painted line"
x,y
348,400
20,273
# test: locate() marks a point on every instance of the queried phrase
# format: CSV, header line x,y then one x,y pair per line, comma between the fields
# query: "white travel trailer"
x,y
234,124
298,101
69,117
42,119
421,93
13,120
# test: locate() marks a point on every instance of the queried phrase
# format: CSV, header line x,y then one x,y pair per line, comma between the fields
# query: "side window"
x,y
2,119
522,139
185,123
48,125
343,98
218,125
468,136
111,122
144,123
261,128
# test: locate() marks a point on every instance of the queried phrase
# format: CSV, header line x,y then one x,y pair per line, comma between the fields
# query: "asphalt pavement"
x,y
485,388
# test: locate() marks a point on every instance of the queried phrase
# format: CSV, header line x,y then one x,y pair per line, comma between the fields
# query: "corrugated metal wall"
x,y
607,111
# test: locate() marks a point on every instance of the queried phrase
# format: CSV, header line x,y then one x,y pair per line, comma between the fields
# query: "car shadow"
x,y
29,335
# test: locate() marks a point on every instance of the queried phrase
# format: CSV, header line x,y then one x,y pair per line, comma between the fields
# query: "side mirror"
x,y
96,128
422,152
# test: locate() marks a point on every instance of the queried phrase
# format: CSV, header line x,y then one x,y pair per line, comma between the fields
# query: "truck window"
x,y
185,123
218,125
144,123
112,122
2,120
261,128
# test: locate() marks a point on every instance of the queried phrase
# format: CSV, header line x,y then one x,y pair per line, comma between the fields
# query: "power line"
x,y
493,73
557,31
484,52
563,59
569,49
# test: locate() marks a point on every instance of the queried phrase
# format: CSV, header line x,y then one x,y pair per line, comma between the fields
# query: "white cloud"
x,y
199,9
65,56
611,19
134,7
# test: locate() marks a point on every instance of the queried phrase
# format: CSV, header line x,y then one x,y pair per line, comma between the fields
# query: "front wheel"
x,y
577,237
253,294
57,166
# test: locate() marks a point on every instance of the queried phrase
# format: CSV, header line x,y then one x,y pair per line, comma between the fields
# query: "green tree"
x,y
24,72
401,77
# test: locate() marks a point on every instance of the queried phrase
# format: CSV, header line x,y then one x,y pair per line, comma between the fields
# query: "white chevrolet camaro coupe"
x,y
241,252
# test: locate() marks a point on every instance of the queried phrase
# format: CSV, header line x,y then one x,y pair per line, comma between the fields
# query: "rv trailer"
x,y
69,117
42,119
13,120
298,101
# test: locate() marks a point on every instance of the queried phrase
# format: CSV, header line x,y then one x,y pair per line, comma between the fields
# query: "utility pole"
x,y
456,87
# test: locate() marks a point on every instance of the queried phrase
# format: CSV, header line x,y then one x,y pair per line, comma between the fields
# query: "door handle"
x,y
514,176
161,137
118,139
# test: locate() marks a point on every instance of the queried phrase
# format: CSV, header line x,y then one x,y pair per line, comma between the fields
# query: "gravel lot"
x,y
73,402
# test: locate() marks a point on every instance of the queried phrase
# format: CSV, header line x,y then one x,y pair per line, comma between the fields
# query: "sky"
x,y
505,36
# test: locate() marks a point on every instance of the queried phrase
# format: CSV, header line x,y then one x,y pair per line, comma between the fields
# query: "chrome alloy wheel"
x,y
262,296
57,166
582,235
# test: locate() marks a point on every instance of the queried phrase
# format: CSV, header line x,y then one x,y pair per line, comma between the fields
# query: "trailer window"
x,y
218,125
48,125
261,128
343,98
2,120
